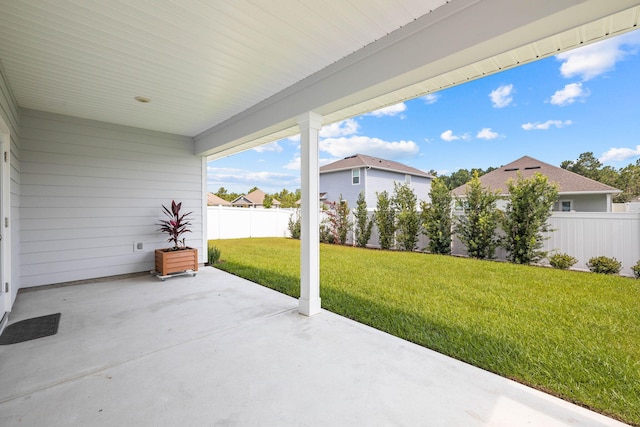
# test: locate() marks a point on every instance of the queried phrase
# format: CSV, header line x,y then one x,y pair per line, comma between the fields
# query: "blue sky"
x,y
587,99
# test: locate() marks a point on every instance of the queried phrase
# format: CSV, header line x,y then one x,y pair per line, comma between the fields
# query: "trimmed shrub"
x,y
295,225
363,223
476,228
385,220
636,270
604,265
404,203
525,219
213,254
436,218
562,261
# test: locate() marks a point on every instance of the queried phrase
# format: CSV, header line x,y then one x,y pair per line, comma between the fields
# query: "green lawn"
x,y
575,335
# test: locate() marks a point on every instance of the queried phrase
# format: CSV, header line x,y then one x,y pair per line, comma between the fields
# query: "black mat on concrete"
x,y
30,329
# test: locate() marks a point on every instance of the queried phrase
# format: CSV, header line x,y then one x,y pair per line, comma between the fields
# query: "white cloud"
x,y
448,136
568,95
347,146
272,146
431,98
595,59
619,154
487,133
294,164
502,96
241,180
392,110
546,125
343,128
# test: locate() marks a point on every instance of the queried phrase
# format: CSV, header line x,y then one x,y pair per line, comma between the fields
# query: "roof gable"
x,y
256,197
214,200
526,167
361,160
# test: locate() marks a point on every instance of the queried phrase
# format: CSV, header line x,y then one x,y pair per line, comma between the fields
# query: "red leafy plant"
x,y
175,226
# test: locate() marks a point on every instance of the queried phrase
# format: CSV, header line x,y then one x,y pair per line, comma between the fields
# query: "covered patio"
x,y
110,109
221,351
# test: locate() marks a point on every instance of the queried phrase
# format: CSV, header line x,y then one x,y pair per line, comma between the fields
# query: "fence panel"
x,y
584,235
225,222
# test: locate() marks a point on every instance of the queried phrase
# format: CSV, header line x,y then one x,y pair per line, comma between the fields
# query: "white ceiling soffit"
x,y
472,39
200,62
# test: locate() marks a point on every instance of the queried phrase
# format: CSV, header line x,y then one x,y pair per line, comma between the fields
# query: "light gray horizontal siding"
x,y
585,202
89,190
336,183
11,115
379,180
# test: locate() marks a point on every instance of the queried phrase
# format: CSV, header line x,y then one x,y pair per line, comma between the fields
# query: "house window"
x,y
566,205
355,176
407,179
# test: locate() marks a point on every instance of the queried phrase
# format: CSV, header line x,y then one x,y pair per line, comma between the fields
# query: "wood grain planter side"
x,y
170,262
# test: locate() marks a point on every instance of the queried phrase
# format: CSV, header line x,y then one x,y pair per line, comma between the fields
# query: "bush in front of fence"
x,y
562,261
636,270
213,254
604,265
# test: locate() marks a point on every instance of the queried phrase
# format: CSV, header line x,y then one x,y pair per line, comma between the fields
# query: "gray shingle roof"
x,y
213,200
256,197
360,160
567,181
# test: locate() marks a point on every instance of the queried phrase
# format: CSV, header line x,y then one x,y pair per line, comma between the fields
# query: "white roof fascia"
x,y
473,32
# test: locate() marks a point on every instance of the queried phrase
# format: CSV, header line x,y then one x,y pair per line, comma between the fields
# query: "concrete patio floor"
x,y
217,350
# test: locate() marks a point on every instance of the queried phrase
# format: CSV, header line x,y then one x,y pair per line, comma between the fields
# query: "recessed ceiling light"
x,y
142,99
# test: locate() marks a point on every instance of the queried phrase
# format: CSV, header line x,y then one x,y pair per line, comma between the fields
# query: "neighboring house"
x,y
255,199
359,173
576,193
214,200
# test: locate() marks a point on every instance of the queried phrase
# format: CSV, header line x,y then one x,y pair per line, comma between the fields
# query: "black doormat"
x,y
30,329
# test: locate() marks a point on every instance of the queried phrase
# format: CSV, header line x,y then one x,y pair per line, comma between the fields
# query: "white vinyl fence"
x,y
582,235
225,222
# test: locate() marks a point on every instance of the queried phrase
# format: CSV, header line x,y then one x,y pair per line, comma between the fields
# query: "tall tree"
x,y
586,165
476,227
436,218
268,201
525,219
384,218
363,223
629,182
407,217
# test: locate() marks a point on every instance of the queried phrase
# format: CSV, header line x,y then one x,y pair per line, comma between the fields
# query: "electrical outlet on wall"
x,y
138,247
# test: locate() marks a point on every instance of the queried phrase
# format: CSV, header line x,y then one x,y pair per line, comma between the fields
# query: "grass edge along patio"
x,y
572,334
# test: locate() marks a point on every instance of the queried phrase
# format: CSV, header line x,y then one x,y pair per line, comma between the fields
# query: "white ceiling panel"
x,y
204,63
200,62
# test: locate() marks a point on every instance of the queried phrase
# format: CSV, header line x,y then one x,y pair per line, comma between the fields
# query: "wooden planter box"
x,y
170,262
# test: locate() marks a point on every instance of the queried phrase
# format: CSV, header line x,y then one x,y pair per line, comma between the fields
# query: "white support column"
x,y
309,303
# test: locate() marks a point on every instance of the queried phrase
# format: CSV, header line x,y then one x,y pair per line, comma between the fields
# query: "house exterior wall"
x,y
381,180
339,182
89,190
584,202
11,116
372,181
